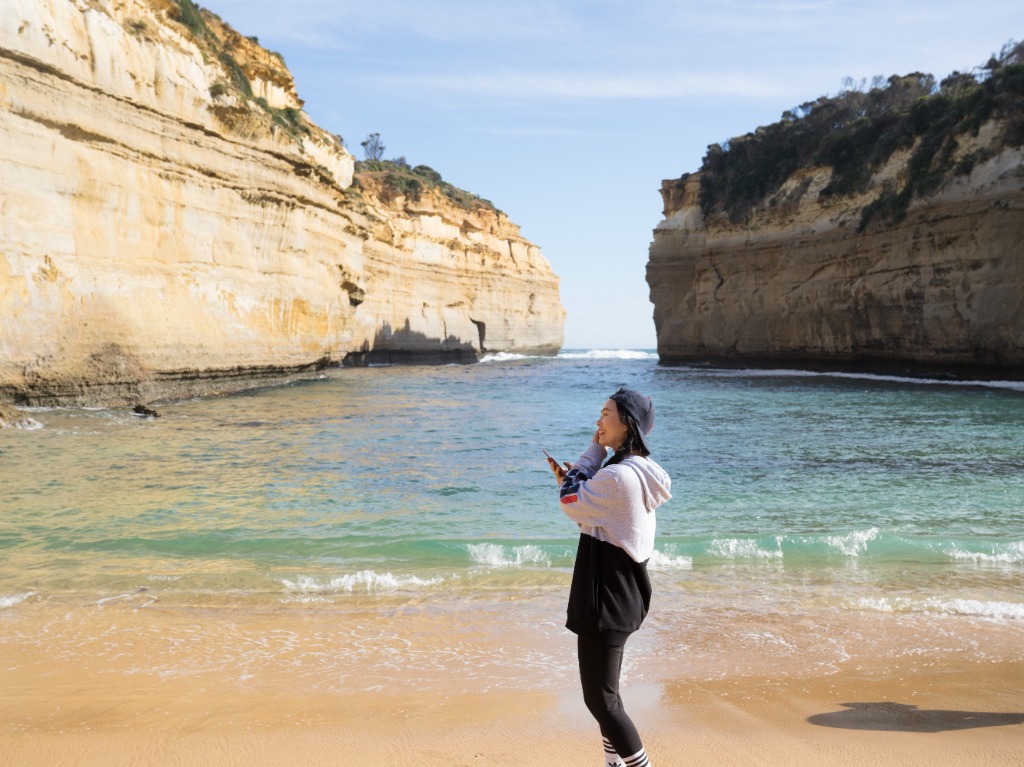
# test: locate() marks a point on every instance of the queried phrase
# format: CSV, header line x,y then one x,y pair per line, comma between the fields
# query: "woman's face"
x,y
611,432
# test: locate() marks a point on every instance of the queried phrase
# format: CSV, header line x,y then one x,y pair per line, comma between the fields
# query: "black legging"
x,y
600,665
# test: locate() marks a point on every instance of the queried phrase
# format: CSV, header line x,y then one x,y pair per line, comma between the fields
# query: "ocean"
x,y
392,526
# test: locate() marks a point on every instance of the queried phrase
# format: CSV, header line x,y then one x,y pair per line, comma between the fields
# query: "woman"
x,y
610,594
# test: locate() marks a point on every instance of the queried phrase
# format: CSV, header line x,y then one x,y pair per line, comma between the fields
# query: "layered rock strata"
x,y
172,223
797,283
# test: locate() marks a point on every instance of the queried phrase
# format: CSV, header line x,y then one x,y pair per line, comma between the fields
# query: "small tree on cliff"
x,y
372,147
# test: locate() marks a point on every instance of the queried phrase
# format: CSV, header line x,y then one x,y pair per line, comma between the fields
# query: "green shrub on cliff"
x,y
238,78
190,16
288,118
428,173
403,184
397,178
857,131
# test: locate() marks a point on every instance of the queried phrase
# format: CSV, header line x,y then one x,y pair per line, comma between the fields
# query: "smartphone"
x,y
548,455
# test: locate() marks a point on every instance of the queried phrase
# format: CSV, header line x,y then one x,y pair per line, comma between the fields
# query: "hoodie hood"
x,y
654,480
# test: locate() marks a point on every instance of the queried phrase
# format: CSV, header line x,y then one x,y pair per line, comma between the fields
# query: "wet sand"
x,y
105,706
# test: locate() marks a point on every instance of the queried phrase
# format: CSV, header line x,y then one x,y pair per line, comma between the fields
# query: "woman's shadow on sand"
x,y
902,717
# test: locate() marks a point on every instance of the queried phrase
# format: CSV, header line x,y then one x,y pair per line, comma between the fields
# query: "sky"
x,y
568,114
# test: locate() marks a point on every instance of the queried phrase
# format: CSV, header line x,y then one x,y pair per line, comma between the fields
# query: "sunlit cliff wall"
x,y
172,223
800,280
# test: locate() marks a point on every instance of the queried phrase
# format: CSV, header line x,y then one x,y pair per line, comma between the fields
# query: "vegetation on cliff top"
x,y
856,132
215,46
397,178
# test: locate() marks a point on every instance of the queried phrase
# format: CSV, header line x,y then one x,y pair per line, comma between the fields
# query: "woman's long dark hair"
x,y
632,444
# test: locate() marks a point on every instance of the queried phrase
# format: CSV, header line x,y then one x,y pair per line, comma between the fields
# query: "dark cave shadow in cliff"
x,y
903,717
410,347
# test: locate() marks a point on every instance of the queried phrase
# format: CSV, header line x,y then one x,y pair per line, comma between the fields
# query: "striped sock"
x,y
611,759
639,759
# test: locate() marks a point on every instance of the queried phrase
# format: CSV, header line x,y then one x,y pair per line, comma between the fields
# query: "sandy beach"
x,y
957,716
102,706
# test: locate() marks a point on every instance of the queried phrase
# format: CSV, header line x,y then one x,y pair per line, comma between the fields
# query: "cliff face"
x,y
799,282
171,222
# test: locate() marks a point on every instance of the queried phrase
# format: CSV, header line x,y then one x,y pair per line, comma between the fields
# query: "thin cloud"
x,y
541,132
570,85
330,24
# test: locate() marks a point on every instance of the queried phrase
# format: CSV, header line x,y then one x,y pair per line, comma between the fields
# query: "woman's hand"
x,y
557,470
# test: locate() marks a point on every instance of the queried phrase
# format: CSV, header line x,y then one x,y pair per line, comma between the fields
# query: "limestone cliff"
x,y
873,270
172,223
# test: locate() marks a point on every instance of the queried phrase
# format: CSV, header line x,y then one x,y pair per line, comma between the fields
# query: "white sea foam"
x,y
503,357
668,560
994,610
608,354
577,354
1013,385
495,555
24,422
793,373
13,600
881,604
741,548
105,600
986,609
767,637
144,600
853,543
365,580
1010,554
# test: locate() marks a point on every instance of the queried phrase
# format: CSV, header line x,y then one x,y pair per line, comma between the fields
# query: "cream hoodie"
x,y
616,504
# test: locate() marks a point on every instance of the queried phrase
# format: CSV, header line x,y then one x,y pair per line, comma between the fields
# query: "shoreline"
x,y
124,683
144,386
173,386
900,370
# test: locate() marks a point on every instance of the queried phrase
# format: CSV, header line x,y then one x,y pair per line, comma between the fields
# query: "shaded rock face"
x,y
796,284
163,234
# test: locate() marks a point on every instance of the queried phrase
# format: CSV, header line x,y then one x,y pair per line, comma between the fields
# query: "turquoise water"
x,y
392,478
400,519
